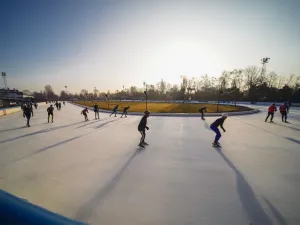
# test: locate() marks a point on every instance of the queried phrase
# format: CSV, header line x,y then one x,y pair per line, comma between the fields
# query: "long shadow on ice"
x,y
247,197
39,132
293,140
86,210
278,216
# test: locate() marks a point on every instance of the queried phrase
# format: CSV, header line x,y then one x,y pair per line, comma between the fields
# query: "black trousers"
x,y
143,133
124,113
272,115
28,119
49,116
96,114
283,116
114,112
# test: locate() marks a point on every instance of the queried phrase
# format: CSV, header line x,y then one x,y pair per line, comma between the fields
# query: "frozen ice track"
x,y
93,171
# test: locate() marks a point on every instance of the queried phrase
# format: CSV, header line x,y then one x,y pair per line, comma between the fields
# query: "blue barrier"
x,y
17,211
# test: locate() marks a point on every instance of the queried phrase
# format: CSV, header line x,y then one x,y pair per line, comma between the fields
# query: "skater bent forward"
x,y
214,126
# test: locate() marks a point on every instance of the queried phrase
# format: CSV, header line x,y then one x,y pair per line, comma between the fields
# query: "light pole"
x,y
264,61
66,89
107,100
146,95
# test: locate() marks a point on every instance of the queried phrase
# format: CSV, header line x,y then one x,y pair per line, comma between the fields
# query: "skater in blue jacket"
x,y
214,126
115,110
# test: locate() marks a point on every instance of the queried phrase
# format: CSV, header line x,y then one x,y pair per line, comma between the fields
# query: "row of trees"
x,y
249,84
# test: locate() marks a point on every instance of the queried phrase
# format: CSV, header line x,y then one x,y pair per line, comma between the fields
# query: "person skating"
x,y
35,105
214,126
142,129
84,112
56,104
115,110
96,110
271,111
50,110
28,113
64,103
289,104
202,110
59,105
125,111
283,112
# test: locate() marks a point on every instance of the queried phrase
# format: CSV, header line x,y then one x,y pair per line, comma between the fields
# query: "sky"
x,y
110,43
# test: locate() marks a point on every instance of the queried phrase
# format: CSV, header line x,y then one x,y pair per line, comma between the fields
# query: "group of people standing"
x,y
283,109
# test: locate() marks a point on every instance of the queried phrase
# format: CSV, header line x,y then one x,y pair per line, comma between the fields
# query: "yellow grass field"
x,y
163,107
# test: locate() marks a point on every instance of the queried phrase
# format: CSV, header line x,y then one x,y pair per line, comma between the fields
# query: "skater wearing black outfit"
x,y
214,126
50,112
59,106
202,110
56,104
142,129
96,110
115,110
125,111
27,111
84,112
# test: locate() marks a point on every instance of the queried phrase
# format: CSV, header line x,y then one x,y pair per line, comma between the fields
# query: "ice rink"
x,y
95,172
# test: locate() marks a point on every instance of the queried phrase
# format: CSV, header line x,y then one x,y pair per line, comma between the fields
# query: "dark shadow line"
x,y
39,132
46,148
278,216
86,210
293,140
293,128
90,123
105,123
17,128
59,143
247,197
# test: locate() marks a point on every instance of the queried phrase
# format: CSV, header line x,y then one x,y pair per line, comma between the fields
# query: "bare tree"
x,y
251,76
290,79
280,82
272,78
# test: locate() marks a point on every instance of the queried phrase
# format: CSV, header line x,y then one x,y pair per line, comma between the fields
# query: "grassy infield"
x,y
163,107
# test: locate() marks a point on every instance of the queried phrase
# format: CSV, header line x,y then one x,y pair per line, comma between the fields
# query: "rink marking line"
x,y
51,177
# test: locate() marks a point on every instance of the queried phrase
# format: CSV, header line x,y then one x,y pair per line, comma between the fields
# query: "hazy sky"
x,y
111,43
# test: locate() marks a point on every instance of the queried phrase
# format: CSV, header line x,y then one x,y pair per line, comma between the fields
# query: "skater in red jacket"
x,y
271,111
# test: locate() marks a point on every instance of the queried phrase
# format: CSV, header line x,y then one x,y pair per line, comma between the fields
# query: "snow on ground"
x,y
94,171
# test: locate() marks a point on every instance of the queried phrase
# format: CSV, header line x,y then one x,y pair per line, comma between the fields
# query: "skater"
x,y
28,113
271,111
141,128
96,110
283,112
125,111
202,110
115,110
214,126
56,104
64,103
50,110
35,105
59,105
84,112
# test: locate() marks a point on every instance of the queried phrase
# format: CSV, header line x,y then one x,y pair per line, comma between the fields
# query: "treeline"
x,y
249,84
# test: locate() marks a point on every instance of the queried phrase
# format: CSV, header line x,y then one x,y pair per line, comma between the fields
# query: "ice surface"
x,y
95,172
